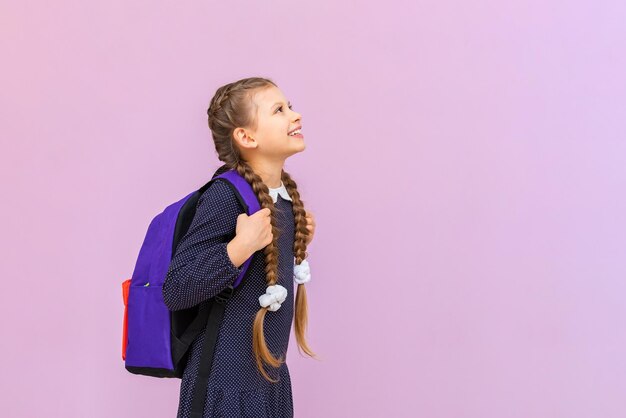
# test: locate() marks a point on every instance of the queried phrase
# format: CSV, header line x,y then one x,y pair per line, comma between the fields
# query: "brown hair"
x,y
231,107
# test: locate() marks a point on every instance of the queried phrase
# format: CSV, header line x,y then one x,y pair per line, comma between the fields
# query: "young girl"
x,y
254,129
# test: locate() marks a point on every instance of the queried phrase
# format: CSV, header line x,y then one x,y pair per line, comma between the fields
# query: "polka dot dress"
x,y
200,269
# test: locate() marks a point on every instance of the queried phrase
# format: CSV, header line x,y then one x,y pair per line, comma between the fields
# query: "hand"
x,y
310,225
255,231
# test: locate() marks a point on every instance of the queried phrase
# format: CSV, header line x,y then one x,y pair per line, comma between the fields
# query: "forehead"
x,y
268,97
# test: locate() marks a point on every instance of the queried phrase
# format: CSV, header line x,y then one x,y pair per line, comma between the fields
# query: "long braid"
x,y
259,345
299,249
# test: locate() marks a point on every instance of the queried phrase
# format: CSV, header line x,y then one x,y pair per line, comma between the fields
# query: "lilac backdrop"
x,y
465,162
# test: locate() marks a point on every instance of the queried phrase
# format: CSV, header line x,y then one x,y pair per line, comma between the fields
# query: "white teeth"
x,y
297,131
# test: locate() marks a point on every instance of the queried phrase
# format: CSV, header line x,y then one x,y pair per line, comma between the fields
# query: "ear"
x,y
244,138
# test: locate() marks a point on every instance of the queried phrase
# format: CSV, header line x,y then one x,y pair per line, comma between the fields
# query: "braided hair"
x,y
231,107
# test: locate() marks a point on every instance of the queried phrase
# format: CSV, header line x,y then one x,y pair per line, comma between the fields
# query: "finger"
x,y
262,212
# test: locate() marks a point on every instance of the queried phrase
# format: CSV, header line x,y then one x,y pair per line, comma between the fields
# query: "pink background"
x,y
465,162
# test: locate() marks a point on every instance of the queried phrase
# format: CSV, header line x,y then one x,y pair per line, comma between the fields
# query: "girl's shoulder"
x,y
218,206
221,194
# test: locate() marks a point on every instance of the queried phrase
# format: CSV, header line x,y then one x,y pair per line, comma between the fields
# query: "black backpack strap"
x,y
208,348
191,332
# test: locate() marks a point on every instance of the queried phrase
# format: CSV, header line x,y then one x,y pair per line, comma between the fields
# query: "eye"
x,y
280,108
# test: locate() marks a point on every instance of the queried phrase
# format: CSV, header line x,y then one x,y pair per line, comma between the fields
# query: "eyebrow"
x,y
278,103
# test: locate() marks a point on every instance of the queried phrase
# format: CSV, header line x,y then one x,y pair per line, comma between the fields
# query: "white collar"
x,y
282,191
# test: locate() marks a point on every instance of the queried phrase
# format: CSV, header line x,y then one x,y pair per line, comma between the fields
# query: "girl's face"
x,y
275,119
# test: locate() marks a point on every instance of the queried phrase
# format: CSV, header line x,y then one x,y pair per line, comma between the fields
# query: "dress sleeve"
x,y
201,268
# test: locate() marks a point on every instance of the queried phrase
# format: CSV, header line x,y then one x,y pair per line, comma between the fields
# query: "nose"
x,y
296,116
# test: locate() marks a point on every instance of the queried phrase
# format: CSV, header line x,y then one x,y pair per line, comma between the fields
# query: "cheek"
x,y
281,129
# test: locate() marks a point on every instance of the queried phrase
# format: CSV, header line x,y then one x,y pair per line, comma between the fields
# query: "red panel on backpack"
x,y
125,289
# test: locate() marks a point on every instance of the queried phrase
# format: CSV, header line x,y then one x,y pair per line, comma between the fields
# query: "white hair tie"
x,y
302,272
273,297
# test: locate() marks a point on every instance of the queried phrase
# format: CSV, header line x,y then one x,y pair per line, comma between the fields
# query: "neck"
x,y
270,172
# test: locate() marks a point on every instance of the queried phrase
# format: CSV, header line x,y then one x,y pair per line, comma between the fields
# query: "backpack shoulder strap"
x,y
247,198
243,189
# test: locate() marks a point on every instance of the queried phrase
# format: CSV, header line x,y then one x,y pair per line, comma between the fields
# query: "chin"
x,y
298,146
299,149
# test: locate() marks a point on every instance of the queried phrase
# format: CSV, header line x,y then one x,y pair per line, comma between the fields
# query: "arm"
x,y
208,257
237,252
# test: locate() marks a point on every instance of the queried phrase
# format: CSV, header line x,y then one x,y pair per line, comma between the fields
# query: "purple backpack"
x,y
156,340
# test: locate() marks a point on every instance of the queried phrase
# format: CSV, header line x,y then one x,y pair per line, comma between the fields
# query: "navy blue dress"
x,y
200,269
